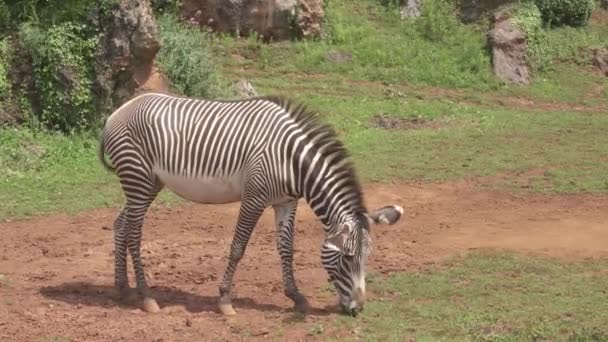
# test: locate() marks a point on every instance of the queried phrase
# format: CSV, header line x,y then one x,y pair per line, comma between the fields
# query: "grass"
x,y
44,173
383,47
490,297
406,70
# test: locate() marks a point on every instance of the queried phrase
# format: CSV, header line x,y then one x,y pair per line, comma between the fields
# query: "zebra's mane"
x,y
311,123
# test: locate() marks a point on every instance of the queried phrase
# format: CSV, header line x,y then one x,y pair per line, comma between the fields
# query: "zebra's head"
x,y
344,254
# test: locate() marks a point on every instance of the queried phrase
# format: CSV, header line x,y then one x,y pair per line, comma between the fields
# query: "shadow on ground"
x,y
82,293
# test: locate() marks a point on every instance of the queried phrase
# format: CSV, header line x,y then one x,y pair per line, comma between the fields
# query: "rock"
x,y
410,9
472,10
509,50
599,58
310,17
273,19
244,89
338,56
130,43
10,114
604,4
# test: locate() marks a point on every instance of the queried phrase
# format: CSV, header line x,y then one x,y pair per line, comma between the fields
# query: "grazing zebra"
x,y
264,152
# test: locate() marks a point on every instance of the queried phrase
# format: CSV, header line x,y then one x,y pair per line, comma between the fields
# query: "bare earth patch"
x,y
57,271
385,121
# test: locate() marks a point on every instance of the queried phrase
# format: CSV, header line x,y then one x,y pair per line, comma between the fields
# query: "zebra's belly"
x,y
205,190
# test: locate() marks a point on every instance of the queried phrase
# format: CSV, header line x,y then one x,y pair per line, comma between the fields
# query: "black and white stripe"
x,y
261,151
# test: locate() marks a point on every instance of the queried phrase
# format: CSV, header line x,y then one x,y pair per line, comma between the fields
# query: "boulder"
x,y
509,50
126,57
411,8
338,57
599,58
272,19
244,89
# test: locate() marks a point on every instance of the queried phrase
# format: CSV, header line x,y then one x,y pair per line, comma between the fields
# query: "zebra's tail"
x,y
101,154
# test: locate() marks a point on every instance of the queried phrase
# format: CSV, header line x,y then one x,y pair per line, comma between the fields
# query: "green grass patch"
x,y
367,41
490,297
45,172
459,140
435,49
185,58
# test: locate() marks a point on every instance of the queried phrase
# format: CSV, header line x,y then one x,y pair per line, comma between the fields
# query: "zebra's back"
x,y
201,149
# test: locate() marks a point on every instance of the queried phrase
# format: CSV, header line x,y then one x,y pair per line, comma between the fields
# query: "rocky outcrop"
x,y
309,18
411,9
509,50
272,19
472,10
244,89
599,58
130,44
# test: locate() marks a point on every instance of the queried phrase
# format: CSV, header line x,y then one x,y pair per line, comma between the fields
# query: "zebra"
x,y
264,151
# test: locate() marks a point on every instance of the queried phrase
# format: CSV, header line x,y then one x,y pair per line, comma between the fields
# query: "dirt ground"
x,y
58,270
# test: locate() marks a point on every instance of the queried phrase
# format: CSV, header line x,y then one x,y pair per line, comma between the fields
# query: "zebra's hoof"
x,y
227,309
150,305
302,306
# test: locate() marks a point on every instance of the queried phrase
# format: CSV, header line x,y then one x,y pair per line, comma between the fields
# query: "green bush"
x,y
5,85
528,18
5,16
185,58
437,21
566,12
62,61
562,44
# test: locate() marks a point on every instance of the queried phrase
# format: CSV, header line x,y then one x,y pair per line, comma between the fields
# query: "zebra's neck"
x,y
328,183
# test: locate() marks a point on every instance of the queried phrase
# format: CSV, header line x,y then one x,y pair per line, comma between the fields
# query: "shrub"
x,y
546,46
566,12
62,61
5,86
185,58
5,16
528,18
437,21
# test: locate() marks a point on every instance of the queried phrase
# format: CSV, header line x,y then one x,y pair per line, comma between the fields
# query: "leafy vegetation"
x,y
490,297
566,12
5,86
63,71
48,12
185,58
563,44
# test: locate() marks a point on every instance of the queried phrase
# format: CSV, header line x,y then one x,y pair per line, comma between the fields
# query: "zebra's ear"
x,y
389,214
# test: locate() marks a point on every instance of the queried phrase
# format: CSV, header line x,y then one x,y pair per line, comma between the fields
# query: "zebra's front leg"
x,y
249,214
284,217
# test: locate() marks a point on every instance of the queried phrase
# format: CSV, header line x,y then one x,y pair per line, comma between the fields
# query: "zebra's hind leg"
x,y
249,214
284,219
121,280
138,202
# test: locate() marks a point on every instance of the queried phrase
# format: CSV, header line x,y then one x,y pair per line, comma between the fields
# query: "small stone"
x,y
188,322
